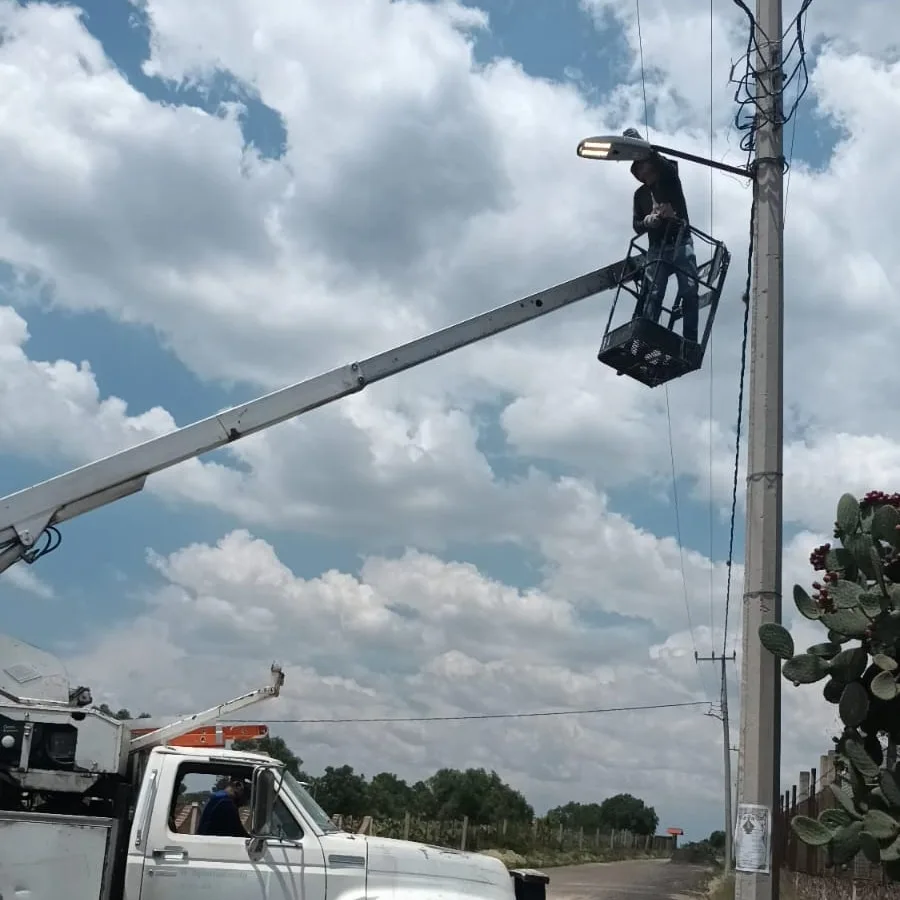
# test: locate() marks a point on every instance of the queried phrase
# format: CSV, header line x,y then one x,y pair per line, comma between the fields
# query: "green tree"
x,y
628,813
341,791
588,816
390,797
423,802
717,840
483,797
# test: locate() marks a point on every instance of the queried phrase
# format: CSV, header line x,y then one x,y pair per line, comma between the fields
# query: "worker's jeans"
x,y
681,260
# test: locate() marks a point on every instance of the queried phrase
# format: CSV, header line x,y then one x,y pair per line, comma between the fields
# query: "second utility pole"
x,y
726,743
759,787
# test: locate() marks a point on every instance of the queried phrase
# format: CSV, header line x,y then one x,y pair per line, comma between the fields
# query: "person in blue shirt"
x,y
221,816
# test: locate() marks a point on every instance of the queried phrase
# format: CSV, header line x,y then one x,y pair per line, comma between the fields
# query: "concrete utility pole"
x,y
726,749
760,758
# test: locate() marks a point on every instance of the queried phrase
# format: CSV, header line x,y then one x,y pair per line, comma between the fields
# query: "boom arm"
x,y
26,514
169,732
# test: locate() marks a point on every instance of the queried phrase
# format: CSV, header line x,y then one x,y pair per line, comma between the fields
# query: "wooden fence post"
x,y
465,829
406,826
812,853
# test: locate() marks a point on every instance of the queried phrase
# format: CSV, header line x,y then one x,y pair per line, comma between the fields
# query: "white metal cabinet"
x,y
44,857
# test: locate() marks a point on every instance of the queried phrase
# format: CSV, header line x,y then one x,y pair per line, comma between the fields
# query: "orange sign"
x,y
211,735
674,831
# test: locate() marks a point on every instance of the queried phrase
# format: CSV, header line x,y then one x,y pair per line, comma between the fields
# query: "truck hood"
x,y
389,858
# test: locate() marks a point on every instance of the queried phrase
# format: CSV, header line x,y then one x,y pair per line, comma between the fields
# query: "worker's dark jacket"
x,y
220,817
667,189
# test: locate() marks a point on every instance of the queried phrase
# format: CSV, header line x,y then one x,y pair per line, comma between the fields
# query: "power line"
x,y
480,716
740,415
687,605
712,230
637,5
790,157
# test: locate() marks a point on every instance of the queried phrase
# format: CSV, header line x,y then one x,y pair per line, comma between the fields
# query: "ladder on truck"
x,y
194,730
648,351
191,731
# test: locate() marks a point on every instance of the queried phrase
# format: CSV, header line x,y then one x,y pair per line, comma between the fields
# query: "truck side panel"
x,y
45,857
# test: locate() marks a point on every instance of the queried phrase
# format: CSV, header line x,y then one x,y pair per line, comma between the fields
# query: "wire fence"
x,y
518,837
811,797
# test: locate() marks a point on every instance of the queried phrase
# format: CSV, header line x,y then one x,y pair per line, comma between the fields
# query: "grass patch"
x,y
721,887
545,859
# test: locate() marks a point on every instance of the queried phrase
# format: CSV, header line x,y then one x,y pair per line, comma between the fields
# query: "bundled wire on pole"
x,y
752,95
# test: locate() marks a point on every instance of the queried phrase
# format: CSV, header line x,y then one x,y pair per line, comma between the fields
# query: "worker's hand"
x,y
666,211
652,220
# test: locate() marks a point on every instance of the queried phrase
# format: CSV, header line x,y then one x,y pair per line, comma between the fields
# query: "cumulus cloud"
x,y
414,635
496,208
419,186
26,580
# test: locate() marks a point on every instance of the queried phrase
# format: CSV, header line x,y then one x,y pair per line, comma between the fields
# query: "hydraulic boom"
x,y
27,514
176,729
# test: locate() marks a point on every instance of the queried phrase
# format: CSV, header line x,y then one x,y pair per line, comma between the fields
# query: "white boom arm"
x,y
26,514
189,723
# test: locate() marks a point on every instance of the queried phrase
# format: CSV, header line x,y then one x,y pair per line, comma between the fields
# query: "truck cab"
x,y
291,848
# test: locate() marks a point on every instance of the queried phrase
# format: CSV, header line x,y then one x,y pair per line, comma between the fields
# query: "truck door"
x,y
181,863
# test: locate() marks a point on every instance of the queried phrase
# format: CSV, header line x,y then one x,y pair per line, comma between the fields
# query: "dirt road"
x,y
636,880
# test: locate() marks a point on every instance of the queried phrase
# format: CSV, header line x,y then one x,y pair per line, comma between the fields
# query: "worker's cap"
x,y
239,779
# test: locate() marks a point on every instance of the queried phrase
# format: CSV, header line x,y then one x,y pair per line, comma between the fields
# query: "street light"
x,y
615,148
622,148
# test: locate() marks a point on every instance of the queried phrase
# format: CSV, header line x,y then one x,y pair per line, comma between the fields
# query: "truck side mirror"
x,y
262,797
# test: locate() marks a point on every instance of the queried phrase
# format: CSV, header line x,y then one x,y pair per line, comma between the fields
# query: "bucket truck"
x,y
90,809
87,802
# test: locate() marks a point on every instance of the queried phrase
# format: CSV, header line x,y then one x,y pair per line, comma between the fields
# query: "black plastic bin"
x,y
530,884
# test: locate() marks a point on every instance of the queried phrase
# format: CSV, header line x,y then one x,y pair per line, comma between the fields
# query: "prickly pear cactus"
x,y
857,601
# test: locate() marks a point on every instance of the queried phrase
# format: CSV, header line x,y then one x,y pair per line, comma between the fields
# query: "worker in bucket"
x,y
660,212
221,816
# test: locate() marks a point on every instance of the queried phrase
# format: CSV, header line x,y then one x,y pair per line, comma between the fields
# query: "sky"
x,y
205,202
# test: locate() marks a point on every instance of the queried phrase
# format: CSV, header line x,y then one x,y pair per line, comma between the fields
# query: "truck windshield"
x,y
306,801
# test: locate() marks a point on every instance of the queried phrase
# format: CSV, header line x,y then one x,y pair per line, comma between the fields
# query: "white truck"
x,y
90,812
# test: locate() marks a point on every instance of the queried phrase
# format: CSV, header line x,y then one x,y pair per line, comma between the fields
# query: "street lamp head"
x,y
617,148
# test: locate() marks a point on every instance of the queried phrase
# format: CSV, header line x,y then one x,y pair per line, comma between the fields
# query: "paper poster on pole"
x,y
753,839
